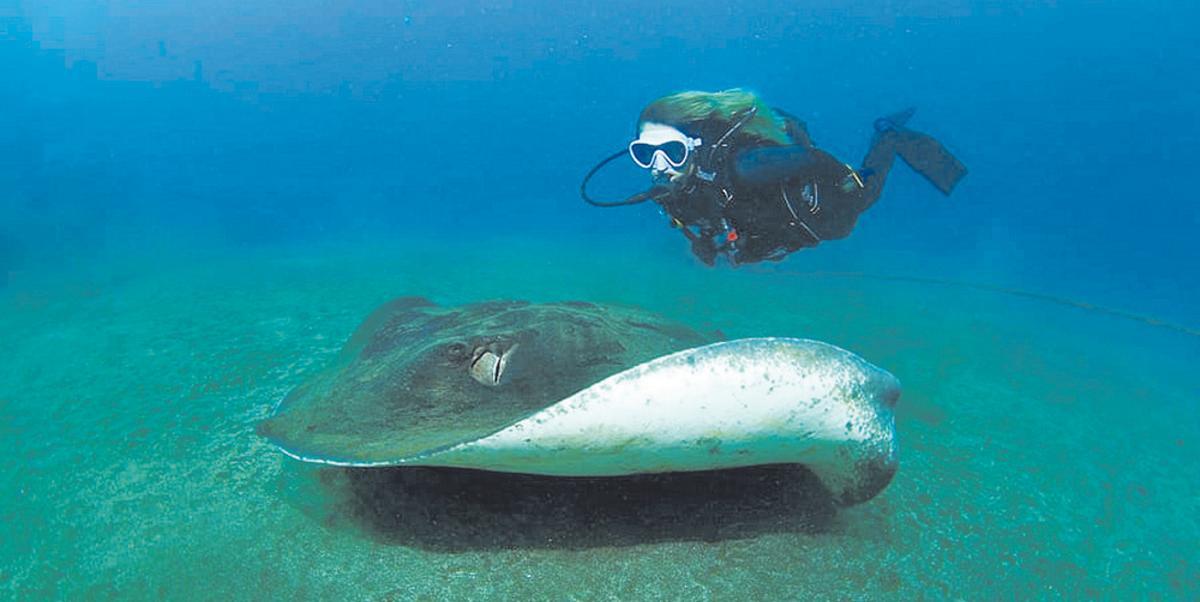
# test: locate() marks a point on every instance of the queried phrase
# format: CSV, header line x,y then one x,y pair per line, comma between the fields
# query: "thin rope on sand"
x,y
1015,292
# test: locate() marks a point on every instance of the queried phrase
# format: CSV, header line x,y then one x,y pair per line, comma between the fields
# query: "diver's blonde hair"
x,y
688,108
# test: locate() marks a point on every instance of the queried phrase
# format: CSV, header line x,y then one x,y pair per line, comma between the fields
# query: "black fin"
x,y
895,121
929,158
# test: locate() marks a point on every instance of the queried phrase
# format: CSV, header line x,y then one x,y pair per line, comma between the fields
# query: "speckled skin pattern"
x,y
402,385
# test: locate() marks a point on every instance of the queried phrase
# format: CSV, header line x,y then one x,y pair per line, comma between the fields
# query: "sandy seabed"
x,y
1046,451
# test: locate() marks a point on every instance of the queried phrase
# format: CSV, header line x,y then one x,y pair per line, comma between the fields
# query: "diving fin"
x,y
929,158
922,152
895,121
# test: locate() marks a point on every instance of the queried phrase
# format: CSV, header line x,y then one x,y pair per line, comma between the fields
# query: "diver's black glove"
x,y
704,249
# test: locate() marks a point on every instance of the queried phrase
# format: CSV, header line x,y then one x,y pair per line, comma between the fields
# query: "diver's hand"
x,y
705,251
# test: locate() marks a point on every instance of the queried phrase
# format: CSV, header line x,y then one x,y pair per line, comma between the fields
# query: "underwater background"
x,y
200,201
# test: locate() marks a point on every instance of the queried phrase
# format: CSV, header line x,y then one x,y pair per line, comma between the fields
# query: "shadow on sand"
x,y
443,509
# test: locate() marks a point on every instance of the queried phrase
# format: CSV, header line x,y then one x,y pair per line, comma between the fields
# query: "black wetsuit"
x,y
756,202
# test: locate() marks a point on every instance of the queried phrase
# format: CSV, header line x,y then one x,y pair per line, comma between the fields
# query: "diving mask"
x,y
661,147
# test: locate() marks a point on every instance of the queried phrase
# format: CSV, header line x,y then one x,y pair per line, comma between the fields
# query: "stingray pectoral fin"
x,y
729,404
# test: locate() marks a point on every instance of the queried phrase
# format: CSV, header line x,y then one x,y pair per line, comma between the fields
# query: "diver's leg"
x,y
875,167
920,151
881,156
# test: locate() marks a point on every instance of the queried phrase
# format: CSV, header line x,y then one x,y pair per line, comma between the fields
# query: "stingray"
x,y
583,389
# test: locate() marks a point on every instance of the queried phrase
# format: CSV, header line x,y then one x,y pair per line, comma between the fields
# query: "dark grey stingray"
x,y
416,377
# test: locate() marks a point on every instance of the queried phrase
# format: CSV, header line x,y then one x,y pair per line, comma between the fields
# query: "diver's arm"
x,y
771,164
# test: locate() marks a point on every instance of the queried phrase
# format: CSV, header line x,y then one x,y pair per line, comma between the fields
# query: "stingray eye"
x,y
456,352
489,364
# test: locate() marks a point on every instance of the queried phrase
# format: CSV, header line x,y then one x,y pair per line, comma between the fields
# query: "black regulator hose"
x,y
641,197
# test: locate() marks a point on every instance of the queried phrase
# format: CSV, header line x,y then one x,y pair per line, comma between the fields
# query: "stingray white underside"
x,y
737,403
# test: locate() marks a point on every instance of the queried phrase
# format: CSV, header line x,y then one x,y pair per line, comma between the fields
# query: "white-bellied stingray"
x,y
581,389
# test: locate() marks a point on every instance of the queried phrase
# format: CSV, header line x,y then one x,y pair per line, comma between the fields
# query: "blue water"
x,y
294,165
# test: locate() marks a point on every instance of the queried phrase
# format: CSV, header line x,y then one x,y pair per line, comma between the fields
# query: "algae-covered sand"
x,y
1045,450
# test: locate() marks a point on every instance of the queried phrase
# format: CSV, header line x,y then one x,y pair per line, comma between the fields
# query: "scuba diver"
x,y
744,180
